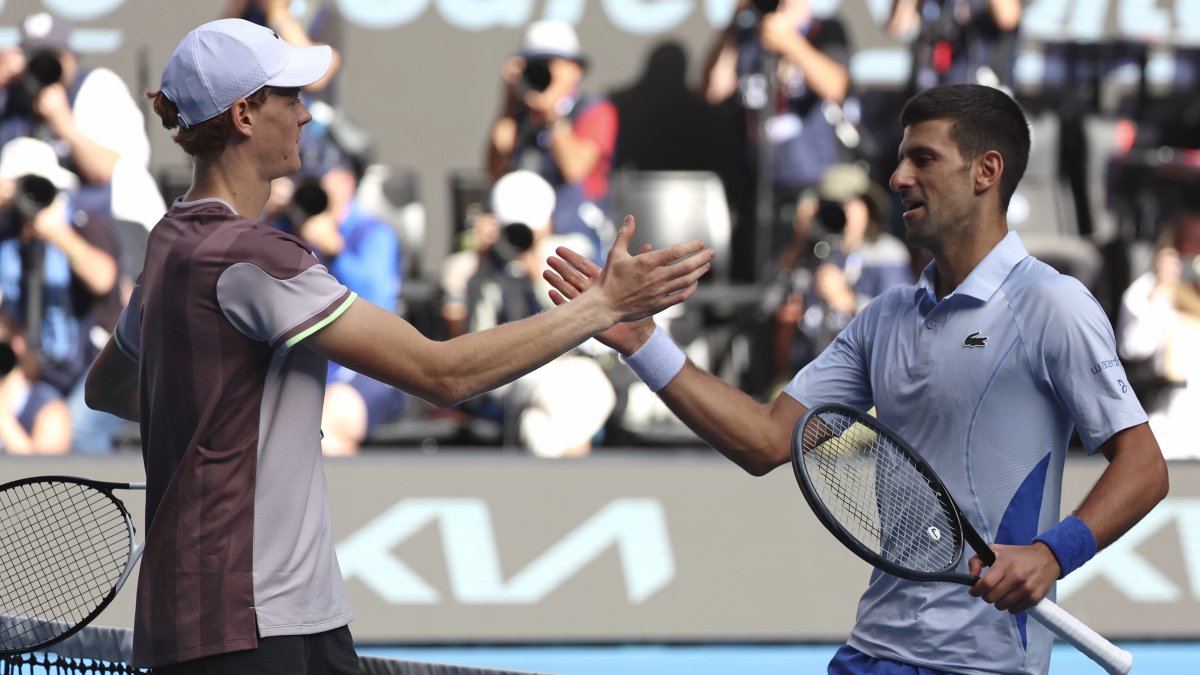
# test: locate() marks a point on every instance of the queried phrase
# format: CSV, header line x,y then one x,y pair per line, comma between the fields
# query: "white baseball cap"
x,y
25,156
228,59
523,197
552,39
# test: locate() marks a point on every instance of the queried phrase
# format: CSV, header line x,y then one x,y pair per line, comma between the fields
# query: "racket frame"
x,y
135,550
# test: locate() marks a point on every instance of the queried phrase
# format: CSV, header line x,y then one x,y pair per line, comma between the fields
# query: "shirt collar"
x,y
987,276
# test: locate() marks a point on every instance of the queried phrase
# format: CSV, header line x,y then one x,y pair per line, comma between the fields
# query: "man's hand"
x,y
777,32
572,274
52,105
1019,579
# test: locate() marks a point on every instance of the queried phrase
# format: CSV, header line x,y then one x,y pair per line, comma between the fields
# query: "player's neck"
x,y
957,259
229,181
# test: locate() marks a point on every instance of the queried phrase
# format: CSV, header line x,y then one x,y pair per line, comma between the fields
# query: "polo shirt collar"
x,y
987,276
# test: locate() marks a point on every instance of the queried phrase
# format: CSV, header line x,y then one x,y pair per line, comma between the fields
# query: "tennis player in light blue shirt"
x,y
986,367
994,377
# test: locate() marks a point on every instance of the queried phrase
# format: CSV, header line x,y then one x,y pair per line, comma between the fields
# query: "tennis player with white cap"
x,y
221,355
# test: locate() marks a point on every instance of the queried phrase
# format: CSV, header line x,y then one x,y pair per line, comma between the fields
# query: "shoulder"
x,y
1033,285
102,80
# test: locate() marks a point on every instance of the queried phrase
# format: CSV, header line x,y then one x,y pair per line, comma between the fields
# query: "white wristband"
x,y
658,361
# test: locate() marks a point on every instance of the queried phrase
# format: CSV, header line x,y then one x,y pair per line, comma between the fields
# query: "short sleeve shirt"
x,y
238,536
988,385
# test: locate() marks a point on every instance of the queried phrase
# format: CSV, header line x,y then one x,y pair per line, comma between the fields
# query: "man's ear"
x,y
242,116
990,168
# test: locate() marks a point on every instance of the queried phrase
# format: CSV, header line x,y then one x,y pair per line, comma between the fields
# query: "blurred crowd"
x,y
815,234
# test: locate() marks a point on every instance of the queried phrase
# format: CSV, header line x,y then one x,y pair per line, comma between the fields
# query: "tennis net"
x,y
105,650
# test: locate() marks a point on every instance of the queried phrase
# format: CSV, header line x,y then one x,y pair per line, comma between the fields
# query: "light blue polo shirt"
x,y
987,385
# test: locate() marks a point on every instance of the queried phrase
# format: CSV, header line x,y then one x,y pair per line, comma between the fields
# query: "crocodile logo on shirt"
x,y
975,340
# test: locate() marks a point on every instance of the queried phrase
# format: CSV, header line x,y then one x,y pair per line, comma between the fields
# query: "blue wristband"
x,y
658,361
1071,541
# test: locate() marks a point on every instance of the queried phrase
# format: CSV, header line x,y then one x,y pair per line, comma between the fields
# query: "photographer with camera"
x,y
556,410
1159,323
839,259
58,267
87,115
550,126
958,41
319,206
789,72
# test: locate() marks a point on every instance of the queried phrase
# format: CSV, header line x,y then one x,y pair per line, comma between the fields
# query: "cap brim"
x,y
305,66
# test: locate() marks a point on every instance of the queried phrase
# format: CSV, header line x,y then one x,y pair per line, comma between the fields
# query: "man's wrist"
x,y
1072,543
657,361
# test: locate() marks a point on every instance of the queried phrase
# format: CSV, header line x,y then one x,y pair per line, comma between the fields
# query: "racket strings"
x,y
62,548
875,492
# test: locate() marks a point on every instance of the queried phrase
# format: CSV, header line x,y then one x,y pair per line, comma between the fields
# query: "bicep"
x,y
379,344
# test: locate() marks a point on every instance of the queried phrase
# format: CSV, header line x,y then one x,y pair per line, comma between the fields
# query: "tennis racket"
x,y
66,548
883,501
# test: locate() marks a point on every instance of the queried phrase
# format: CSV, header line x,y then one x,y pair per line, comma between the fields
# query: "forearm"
x,y
722,79
93,161
576,157
825,77
753,435
501,142
94,267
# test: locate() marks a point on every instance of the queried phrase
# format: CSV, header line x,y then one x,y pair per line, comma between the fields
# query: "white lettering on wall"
x,y
637,528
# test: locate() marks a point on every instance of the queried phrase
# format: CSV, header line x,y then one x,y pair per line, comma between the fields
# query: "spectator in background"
x,y
958,41
1159,323
838,261
363,252
58,270
559,408
300,24
550,126
87,115
789,70
34,419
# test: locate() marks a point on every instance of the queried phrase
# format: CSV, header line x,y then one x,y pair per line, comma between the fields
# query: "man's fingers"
x,y
562,286
569,274
624,236
579,262
665,256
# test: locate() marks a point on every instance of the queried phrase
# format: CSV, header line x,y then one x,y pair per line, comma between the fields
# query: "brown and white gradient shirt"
x,y
238,536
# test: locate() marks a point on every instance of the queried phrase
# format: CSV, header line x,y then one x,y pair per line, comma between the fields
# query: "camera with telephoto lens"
x,y
308,200
42,69
515,239
33,194
830,217
535,77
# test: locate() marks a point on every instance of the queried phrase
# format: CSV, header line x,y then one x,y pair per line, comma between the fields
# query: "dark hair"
x,y
982,118
206,139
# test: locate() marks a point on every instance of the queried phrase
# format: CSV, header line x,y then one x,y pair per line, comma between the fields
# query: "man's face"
x,y
935,185
280,118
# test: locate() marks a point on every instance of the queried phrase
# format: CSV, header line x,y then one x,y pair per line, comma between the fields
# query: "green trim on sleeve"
x,y
296,339
116,336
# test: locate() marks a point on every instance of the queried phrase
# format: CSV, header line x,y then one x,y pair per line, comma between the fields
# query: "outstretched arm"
x,y
381,345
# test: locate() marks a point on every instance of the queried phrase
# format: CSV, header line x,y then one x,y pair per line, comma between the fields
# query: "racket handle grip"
x,y
1109,656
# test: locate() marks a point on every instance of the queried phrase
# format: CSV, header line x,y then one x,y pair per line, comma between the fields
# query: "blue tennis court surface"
x,y
1150,658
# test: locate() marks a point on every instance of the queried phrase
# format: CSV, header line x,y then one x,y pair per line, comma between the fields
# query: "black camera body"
x,y
42,69
33,194
535,77
515,239
308,200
